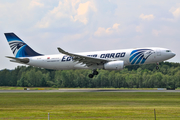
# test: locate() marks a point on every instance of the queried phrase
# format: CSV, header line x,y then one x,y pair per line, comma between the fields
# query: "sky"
x,y
89,25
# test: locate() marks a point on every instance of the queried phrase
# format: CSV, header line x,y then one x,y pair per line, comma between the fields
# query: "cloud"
x,y
73,37
147,17
35,3
107,22
115,26
139,28
68,9
165,31
53,15
102,31
19,13
156,32
175,12
83,10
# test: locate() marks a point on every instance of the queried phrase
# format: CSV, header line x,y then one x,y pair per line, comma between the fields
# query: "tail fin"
x,y
18,47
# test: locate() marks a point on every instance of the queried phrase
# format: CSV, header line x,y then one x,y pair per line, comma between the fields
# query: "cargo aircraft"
x,y
108,60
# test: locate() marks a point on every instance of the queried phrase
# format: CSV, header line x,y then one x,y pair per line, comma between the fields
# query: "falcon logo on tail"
x,y
18,47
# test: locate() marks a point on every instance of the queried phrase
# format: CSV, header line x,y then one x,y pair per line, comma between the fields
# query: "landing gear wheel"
x,y
95,72
91,75
157,68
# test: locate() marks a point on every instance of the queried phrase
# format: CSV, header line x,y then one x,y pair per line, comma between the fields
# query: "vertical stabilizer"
x,y
19,47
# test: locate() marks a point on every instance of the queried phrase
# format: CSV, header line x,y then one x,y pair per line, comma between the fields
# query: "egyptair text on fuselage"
x,y
108,55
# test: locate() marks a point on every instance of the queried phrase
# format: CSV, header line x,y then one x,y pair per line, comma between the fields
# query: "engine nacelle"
x,y
114,65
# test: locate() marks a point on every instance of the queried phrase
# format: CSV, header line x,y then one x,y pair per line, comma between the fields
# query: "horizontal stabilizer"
x,y
19,60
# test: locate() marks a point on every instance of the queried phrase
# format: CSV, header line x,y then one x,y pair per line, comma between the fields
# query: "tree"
x,y
132,76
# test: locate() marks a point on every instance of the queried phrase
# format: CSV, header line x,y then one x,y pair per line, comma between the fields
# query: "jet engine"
x,y
114,65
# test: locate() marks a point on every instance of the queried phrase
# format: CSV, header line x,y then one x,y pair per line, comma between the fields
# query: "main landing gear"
x,y
157,66
95,72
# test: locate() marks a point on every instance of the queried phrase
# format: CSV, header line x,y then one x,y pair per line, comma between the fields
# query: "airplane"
x,y
108,60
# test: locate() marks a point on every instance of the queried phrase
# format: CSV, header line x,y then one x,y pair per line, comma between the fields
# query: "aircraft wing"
x,y
84,59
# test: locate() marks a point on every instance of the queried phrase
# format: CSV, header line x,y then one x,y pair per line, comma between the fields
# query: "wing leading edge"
x,y
88,61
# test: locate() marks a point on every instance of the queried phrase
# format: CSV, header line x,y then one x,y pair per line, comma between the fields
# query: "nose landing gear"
x,y
95,72
157,66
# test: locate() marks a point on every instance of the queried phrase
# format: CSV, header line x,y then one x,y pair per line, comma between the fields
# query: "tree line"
x,y
138,76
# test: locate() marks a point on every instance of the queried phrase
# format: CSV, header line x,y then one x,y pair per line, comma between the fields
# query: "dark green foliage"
x,y
138,76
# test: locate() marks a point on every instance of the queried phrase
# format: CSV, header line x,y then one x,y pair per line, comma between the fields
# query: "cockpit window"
x,y
168,51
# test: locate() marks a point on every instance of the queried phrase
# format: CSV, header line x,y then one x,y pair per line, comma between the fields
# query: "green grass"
x,y
22,88
50,88
98,105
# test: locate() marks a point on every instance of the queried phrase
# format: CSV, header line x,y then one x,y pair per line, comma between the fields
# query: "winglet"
x,y
62,51
67,53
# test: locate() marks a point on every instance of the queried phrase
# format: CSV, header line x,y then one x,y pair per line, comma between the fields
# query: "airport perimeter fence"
x,y
56,116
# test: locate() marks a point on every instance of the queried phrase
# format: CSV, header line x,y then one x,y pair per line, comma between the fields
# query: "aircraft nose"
x,y
173,54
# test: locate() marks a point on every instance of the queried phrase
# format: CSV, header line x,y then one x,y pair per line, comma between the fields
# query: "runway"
x,y
85,90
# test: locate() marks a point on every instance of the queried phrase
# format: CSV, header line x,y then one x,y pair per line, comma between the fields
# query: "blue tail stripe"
x,y
26,51
12,37
30,52
20,53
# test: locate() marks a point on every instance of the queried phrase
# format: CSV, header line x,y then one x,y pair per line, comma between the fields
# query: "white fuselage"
x,y
129,56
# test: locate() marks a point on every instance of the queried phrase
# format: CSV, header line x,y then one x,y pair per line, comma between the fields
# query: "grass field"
x,y
50,88
86,106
